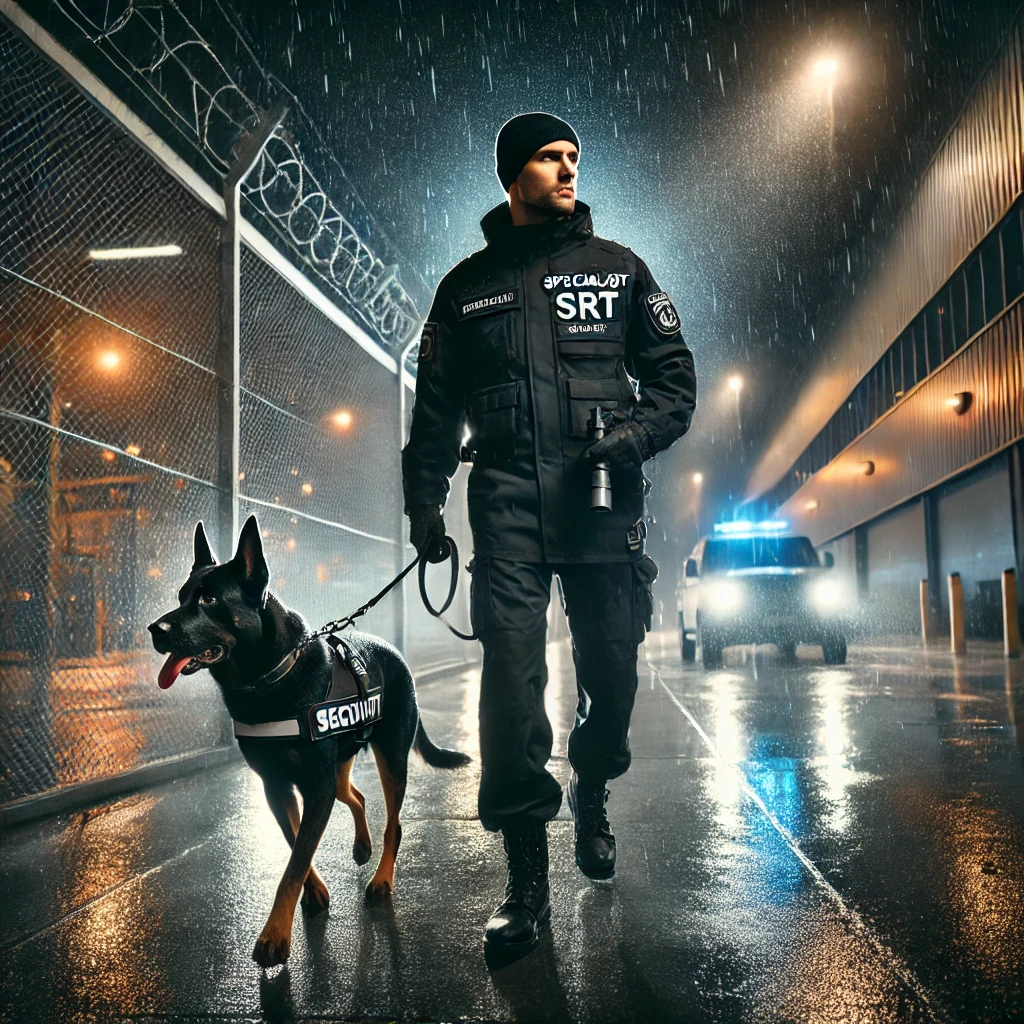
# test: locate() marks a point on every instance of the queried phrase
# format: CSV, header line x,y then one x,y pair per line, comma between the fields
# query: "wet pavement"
x,y
796,843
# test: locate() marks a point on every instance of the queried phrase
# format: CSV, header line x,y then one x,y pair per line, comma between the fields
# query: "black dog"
x,y
228,623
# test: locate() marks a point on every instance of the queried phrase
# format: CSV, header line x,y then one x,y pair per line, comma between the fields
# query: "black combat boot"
x,y
515,927
595,844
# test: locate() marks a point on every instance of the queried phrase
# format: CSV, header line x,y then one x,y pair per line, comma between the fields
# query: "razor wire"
x,y
163,54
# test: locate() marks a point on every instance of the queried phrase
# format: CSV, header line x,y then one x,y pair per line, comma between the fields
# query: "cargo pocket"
x,y
495,414
645,572
584,393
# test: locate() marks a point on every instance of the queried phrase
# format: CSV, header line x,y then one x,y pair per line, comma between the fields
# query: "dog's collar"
x,y
281,669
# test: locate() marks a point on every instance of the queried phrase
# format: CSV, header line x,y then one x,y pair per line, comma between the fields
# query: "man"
x,y
524,339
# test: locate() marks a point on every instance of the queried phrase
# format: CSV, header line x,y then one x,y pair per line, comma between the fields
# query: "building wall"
x,y
972,181
896,564
976,540
921,442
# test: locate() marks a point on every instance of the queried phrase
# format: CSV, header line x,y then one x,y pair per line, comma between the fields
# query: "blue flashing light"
x,y
745,526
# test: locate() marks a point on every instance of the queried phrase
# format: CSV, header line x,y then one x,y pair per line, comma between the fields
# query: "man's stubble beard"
x,y
549,205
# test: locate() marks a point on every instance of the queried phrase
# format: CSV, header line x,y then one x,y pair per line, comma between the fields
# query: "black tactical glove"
x,y
624,445
426,532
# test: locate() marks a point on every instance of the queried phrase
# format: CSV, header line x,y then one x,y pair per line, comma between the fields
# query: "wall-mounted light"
x,y
867,467
811,505
960,402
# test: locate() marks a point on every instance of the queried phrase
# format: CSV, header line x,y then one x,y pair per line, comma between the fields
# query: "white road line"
x,y
852,916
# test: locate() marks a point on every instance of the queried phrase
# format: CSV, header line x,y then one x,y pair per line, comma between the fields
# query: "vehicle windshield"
x,y
759,553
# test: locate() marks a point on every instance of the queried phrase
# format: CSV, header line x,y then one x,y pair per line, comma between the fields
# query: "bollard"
x,y
1011,632
926,618
957,644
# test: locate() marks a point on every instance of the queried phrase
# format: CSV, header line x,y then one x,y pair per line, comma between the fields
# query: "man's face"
x,y
547,184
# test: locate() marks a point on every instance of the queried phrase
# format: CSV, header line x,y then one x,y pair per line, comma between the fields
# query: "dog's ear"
x,y
202,553
250,565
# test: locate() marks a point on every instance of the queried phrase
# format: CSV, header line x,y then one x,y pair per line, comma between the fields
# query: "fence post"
x,y
926,617
957,642
227,363
1011,631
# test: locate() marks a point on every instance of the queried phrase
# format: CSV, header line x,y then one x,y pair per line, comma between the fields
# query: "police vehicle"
x,y
752,583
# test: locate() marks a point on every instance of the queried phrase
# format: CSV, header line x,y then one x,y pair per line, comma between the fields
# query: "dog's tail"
x,y
437,757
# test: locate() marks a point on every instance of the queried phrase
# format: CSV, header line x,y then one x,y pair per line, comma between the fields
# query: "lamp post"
x,y
736,386
825,70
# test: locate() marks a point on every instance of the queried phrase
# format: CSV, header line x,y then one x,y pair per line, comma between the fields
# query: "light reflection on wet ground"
x,y
796,843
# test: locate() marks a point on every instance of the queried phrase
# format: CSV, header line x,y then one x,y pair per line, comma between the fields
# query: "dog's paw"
x,y
315,896
378,889
272,947
361,852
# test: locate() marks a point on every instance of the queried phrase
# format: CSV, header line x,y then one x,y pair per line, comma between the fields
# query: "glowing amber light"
x,y
109,359
343,419
307,488
133,449
811,505
290,544
826,67
109,456
736,383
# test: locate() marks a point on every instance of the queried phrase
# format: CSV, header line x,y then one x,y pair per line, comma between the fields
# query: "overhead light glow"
x,y
826,67
110,360
811,505
736,383
141,252
133,449
343,419
698,478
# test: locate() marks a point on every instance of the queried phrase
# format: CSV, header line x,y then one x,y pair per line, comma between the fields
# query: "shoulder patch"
x,y
488,302
430,338
662,313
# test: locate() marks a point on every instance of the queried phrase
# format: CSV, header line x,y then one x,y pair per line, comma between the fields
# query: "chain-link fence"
x,y
109,440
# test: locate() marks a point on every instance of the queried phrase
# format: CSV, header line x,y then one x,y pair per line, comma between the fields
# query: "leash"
x,y
287,663
451,555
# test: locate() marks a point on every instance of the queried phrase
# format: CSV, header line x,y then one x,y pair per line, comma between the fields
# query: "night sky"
x,y
706,147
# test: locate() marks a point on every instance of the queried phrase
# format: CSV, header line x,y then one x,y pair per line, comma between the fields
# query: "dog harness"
x,y
350,707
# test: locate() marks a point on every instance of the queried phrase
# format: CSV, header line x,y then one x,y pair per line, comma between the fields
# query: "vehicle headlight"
x,y
827,595
725,596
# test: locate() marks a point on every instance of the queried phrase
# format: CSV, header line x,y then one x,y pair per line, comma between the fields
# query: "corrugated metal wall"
x,y
922,441
973,179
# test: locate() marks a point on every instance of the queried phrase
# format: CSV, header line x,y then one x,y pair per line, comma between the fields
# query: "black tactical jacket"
x,y
523,339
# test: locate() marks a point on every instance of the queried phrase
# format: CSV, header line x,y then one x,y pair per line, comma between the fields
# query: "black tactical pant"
x,y
608,606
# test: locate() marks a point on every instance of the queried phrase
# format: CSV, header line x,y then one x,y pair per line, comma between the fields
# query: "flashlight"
x,y
601,476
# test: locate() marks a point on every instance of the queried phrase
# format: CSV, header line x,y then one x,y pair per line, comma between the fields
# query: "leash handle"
x,y
452,554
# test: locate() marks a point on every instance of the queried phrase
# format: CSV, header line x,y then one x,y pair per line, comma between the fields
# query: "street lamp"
x,y
342,419
110,359
736,386
698,478
825,69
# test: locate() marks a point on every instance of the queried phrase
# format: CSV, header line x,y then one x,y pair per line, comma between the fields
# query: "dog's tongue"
x,y
170,669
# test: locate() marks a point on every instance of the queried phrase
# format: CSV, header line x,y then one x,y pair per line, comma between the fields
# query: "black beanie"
x,y
521,136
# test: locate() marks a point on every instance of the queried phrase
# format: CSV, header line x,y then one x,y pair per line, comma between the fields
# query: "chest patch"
x,y
490,302
587,305
662,313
